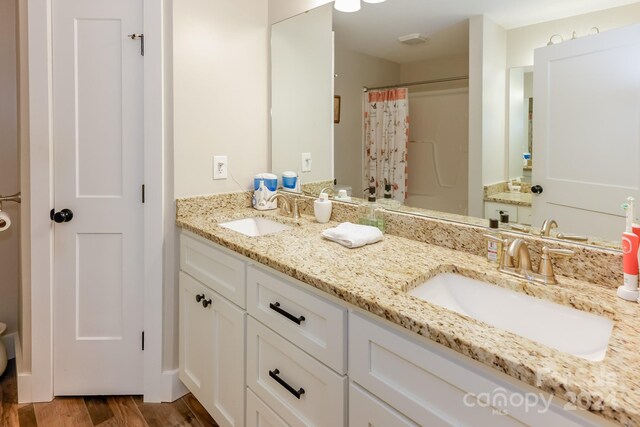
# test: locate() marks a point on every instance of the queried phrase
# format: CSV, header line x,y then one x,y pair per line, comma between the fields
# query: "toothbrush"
x,y
630,242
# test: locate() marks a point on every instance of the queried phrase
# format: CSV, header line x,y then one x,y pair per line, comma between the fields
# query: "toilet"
x,y
3,349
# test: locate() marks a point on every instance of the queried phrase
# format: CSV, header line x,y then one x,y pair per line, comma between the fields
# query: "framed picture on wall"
x,y
336,109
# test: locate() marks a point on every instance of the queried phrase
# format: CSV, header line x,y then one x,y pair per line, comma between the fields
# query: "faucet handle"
x,y
295,209
546,266
563,253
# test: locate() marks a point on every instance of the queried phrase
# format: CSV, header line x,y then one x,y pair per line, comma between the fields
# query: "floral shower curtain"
x,y
386,132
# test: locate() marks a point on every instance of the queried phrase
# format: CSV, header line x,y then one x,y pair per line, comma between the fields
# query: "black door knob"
x,y
65,215
199,298
536,189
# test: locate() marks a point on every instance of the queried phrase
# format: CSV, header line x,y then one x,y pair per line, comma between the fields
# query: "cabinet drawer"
x,y
366,410
215,268
277,371
310,322
260,415
414,380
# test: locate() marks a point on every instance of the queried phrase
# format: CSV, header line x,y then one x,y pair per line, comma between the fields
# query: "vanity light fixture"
x,y
552,37
351,5
347,5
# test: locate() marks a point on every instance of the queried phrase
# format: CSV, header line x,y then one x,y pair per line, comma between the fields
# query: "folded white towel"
x,y
353,235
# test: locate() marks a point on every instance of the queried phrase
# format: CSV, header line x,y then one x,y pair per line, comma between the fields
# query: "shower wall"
x,y
439,150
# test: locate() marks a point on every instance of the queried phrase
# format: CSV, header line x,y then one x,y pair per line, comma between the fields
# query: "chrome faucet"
x,y
547,225
516,260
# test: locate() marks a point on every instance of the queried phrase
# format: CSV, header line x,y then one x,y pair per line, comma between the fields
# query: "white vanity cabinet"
x,y
258,348
432,385
211,342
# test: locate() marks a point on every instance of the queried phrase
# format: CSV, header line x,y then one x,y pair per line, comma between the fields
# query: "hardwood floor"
x,y
103,411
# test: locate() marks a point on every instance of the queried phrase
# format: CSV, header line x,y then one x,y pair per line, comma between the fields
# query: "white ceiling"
x,y
374,29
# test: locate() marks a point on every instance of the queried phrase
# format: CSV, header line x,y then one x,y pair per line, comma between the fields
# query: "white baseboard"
x,y
173,386
9,342
24,376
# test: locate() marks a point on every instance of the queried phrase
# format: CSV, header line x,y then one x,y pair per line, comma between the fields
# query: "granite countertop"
x,y
377,277
511,198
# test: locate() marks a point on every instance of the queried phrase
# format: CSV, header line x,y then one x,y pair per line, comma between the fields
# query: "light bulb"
x,y
347,5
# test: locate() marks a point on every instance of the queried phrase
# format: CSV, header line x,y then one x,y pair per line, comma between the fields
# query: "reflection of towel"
x,y
353,235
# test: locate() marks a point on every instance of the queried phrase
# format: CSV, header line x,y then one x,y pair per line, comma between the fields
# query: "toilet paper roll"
x,y
5,221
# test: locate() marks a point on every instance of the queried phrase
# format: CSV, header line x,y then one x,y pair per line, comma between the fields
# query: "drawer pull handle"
x,y
297,393
276,307
199,298
206,302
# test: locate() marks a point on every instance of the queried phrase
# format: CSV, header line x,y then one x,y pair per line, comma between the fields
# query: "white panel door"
x,y
98,172
586,148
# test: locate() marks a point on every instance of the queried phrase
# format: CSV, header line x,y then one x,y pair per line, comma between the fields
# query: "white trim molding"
x,y
174,388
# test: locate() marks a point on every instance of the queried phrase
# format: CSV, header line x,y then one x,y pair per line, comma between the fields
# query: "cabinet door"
x,y
367,411
212,351
524,215
195,343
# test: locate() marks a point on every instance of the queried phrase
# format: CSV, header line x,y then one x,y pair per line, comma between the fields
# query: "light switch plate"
x,y
306,162
220,167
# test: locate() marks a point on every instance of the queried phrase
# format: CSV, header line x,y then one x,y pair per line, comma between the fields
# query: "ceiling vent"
x,y
411,39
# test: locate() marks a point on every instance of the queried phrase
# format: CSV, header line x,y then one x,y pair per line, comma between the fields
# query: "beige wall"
x,y
9,164
220,87
216,74
437,68
487,108
283,9
355,70
302,113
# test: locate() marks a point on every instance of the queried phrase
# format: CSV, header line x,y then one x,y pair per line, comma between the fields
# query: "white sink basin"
x,y
563,328
255,226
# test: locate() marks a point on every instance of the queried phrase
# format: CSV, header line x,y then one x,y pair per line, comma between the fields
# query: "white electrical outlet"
x,y
220,167
306,162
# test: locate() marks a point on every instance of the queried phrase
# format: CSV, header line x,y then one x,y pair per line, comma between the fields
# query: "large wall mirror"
x,y
323,53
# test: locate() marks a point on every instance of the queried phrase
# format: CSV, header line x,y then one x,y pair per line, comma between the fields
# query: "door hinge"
x,y
141,37
142,340
142,193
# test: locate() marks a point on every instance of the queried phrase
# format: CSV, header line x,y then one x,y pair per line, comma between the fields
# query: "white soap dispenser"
x,y
322,208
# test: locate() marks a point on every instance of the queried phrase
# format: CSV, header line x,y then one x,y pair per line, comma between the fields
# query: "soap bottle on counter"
x,y
494,243
322,208
374,215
